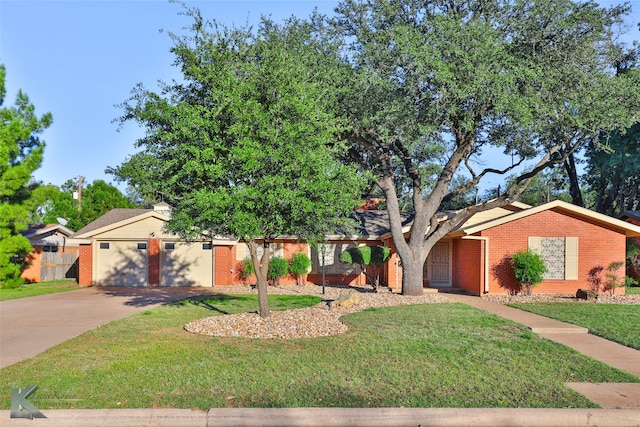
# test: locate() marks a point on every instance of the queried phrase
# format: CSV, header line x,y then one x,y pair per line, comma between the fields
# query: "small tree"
x,y
299,266
612,280
528,268
367,256
278,267
245,270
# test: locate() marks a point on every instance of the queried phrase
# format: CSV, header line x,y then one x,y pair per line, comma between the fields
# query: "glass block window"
x,y
104,245
169,246
207,246
552,250
142,246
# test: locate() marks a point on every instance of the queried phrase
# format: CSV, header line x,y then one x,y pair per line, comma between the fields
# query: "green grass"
x,y
433,355
615,322
35,289
635,290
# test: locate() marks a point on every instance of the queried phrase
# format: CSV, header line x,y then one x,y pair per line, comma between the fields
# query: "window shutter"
x,y
535,244
571,258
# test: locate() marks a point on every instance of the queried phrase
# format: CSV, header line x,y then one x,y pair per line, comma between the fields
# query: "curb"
x,y
331,417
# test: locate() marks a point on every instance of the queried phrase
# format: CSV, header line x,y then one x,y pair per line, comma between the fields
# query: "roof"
x,y
630,230
112,217
36,230
634,215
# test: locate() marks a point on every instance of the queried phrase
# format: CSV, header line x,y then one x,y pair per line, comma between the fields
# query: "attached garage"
x,y
186,264
130,247
121,263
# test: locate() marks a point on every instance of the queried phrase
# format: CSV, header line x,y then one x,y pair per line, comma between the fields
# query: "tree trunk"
x,y
412,277
574,185
261,268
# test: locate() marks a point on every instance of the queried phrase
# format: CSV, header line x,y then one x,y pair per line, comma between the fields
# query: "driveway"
x,y
29,326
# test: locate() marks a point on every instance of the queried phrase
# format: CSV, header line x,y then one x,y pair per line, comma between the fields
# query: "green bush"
x,y
299,266
278,267
367,256
245,270
528,268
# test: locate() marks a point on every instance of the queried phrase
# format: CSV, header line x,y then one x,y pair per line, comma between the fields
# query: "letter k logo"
x,y
21,407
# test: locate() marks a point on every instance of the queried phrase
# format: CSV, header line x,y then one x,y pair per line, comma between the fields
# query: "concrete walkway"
x,y
607,395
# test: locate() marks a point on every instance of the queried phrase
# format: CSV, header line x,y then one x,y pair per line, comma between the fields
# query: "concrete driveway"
x,y
29,326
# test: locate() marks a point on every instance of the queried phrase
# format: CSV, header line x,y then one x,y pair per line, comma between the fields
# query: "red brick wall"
x,y
85,265
225,266
153,253
468,265
597,246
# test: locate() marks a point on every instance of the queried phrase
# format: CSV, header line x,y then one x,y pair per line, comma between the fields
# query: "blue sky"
x,y
78,59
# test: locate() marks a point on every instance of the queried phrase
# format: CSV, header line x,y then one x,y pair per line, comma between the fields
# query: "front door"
x,y
438,265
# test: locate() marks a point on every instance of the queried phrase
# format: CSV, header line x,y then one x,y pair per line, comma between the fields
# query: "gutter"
x,y
484,239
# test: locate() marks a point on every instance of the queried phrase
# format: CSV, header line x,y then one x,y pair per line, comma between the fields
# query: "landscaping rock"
x,y
586,294
347,298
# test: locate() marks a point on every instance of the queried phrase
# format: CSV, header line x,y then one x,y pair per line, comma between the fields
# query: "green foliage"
x,y
278,267
444,87
612,279
299,266
528,268
52,202
245,270
246,146
367,256
613,171
21,152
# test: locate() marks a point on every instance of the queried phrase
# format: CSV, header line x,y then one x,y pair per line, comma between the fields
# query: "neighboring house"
x,y
53,256
128,247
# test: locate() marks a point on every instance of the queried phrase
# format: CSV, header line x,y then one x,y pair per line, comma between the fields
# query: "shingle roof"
x,y
635,215
111,217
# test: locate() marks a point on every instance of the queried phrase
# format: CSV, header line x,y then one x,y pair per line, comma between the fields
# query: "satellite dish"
x,y
62,221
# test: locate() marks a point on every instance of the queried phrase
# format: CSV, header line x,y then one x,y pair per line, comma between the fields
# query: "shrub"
x,y
278,267
528,268
245,270
299,266
612,281
367,256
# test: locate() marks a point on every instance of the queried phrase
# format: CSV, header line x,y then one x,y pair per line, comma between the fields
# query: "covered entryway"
x,y
437,268
121,263
186,264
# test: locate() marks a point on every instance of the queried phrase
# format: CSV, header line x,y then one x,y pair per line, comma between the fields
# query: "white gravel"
x,y
320,320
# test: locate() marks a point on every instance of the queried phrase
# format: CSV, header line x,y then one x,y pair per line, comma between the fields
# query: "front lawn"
x,y
432,355
635,290
615,322
42,288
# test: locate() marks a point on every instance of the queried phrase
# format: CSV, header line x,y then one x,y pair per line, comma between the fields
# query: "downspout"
x,y
484,239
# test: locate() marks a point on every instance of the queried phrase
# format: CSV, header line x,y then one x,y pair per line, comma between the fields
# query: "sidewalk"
x,y
607,395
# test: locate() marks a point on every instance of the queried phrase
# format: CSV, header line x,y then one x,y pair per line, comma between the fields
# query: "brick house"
x,y
53,256
128,247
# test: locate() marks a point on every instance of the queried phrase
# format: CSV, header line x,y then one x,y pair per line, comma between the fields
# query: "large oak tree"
x,y
441,87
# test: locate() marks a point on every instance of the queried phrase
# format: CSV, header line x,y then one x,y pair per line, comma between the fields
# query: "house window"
x,y
142,246
50,248
169,246
560,256
104,245
207,246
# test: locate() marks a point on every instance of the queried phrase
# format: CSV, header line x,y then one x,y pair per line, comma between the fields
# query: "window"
x,y
560,256
207,246
169,246
104,245
50,248
142,246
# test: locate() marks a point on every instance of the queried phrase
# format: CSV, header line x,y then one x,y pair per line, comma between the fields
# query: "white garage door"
x,y
122,264
186,264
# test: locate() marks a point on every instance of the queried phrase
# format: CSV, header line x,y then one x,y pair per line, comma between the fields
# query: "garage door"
x,y
186,264
122,264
